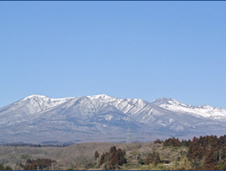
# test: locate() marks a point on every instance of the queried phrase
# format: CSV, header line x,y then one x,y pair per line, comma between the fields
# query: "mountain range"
x,y
45,120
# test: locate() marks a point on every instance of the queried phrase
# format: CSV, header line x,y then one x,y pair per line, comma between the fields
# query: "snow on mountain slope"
x,y
102,97
127,106
90,117
205,111
41,103
88,106
27,109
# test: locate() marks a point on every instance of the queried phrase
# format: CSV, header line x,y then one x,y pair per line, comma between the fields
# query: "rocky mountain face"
x,y
40,119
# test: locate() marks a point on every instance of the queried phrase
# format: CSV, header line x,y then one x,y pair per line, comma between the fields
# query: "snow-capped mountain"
x,y
33,104
40,119
205,111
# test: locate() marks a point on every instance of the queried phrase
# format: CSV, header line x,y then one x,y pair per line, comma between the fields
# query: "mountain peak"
x,y
205,107
35,96
163,99
100,96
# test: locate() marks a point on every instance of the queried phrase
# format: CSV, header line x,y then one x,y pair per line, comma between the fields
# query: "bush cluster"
x,y
38,163
5,168
112,159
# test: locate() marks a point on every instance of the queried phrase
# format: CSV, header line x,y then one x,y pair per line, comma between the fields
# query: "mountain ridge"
x,y
38,118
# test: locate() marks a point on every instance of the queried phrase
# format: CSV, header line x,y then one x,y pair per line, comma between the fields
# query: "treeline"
x,y
204,153
32,145
208,153
175,142
38,164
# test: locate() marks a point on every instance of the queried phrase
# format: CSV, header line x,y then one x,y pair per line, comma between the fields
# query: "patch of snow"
x,y
205,111
108,117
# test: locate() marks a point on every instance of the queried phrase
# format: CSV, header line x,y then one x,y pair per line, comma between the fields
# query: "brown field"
x,y
81,156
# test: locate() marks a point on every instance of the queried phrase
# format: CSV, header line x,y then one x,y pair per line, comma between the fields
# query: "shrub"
x,y
113,159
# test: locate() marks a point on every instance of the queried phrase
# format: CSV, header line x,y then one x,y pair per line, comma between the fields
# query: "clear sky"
x,y
123,49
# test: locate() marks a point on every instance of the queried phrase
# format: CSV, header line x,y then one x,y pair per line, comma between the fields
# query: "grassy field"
x,y
81,156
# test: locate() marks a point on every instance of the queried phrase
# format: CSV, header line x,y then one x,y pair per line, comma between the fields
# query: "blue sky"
x,y
123,49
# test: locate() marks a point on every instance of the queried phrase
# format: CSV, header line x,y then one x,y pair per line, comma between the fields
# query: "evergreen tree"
x,y
147,160
113,159
96,155
209,163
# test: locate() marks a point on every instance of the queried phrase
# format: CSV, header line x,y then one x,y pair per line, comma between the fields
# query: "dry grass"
x,y
81,156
